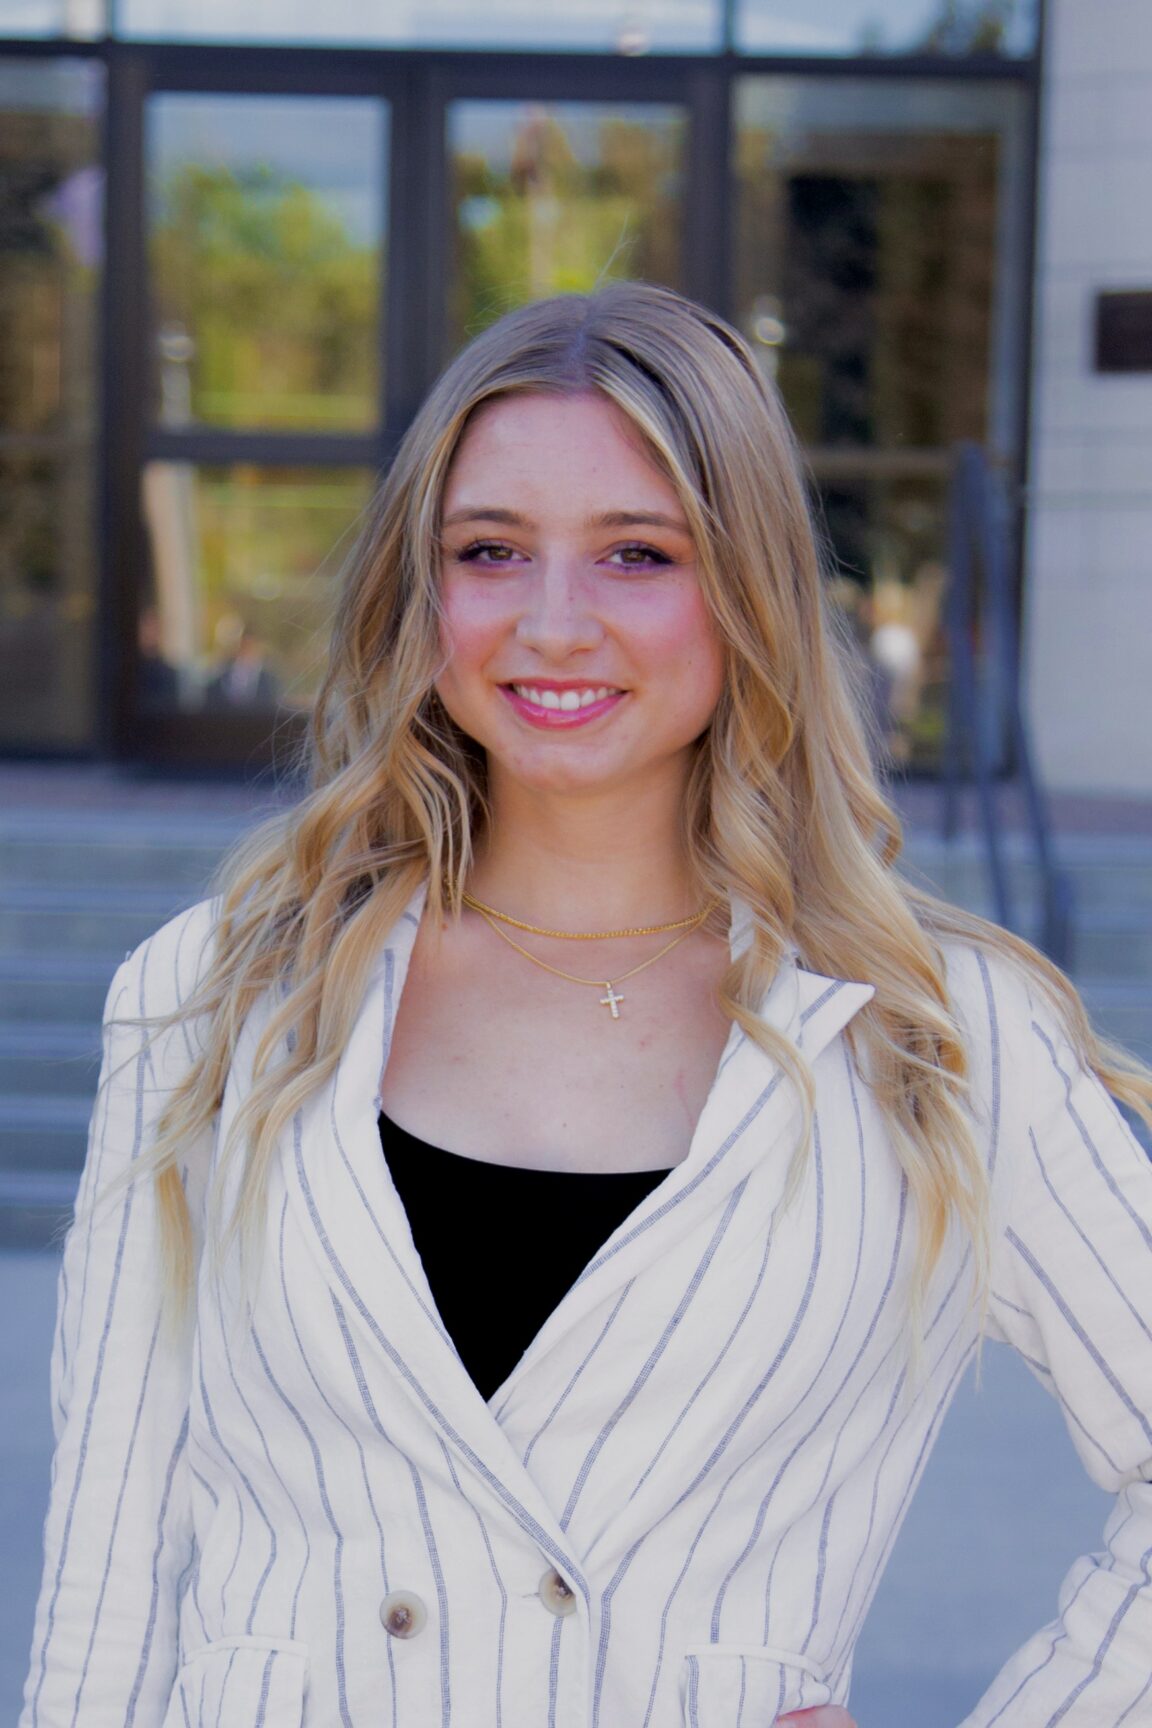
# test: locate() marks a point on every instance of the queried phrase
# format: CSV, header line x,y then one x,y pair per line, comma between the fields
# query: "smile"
x,y
544,705
565,700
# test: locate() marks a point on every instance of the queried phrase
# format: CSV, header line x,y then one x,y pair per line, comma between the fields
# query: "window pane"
x,y
51,216
266,245
880,280
613,26
553,198
84,19
1005,27
243,572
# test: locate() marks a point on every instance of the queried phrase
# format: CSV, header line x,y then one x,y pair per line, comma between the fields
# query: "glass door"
x,y
266,403
880,243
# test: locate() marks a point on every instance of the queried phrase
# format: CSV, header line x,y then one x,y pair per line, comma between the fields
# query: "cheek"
x,y
684,637
470,629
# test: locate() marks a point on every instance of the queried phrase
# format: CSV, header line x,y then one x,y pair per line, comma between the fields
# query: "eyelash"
x,y
470,554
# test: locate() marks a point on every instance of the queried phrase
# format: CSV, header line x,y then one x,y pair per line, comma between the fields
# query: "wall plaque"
x,y
1124,331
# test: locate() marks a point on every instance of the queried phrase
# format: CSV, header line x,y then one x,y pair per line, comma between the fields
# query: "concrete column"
x,y
1088,608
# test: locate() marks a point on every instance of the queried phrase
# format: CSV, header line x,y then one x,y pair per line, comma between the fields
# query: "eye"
x,y
638,555
487,552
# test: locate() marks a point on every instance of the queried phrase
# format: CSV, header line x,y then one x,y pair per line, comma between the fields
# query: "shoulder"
x,y
992,993
158,977
1018,1034
998,1000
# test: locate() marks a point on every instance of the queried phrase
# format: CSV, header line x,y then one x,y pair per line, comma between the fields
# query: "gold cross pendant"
x,y
611,1000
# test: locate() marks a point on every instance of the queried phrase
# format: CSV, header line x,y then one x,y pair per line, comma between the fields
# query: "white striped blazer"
x,y
677,1507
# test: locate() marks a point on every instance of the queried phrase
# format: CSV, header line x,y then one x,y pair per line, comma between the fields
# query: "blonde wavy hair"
x,y
783,808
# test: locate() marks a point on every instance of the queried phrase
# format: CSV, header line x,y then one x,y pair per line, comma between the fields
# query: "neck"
x,y
585,864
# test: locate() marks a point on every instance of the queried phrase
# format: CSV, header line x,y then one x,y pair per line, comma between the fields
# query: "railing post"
x,y
985,708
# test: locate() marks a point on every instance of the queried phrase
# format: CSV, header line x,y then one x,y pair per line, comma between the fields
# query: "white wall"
x,y
1088,609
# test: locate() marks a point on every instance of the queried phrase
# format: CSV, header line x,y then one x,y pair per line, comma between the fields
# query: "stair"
x,y
78,890
79,887
1111,878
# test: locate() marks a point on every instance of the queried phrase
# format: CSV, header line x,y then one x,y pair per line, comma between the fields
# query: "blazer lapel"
x,y
751,1116
339,1184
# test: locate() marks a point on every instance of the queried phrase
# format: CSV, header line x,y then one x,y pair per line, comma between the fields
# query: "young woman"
x,y
536,1217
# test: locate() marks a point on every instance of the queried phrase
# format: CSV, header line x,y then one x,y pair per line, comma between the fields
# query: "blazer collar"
x,y
355,1223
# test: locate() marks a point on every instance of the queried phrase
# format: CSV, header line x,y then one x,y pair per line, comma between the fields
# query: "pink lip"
x,y
552,719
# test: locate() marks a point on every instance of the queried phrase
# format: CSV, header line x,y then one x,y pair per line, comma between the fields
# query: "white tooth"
x,y
602,692
570,700
548,699
587,697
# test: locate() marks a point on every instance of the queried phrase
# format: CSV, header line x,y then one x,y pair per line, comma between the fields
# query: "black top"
x,y
501,1245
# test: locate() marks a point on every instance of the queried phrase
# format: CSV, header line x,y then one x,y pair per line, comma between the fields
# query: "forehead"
x,y
537,439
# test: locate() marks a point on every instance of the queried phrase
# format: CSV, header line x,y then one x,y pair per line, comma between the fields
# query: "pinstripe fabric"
x,y
713,1439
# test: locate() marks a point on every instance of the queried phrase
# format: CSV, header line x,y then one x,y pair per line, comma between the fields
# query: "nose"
x,y
559,616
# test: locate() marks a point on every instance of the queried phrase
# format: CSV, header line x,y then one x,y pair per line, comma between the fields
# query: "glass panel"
x,y
1005,27
880,273
554,198
613,26
243,566
51,224
75,18
266,241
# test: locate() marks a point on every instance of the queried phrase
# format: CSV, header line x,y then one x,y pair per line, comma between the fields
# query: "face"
x,y
580,652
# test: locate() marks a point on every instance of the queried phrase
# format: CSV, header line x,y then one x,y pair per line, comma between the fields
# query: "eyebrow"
x,y
610,519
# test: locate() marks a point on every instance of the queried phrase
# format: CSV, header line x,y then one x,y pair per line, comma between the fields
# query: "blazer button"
x,y
403,1614
557,1596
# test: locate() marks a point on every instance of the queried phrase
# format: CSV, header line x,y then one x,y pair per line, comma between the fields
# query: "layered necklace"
x,y
612,997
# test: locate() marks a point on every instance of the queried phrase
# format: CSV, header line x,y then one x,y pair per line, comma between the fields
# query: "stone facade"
x,y
1088,592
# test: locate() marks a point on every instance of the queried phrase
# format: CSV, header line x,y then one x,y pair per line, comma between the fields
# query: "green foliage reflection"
x,y
267,300
553,219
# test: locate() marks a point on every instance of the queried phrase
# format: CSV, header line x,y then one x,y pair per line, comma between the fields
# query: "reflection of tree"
x,y
957,27
969,27
552,224
279,300
49,206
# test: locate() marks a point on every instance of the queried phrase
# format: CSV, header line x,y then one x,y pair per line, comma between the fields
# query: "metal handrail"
x,y
986,723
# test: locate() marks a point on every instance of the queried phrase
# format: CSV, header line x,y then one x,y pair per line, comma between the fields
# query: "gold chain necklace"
x,y
613,999
586,935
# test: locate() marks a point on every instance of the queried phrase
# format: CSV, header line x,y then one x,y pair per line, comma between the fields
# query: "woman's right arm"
x,y
118,1535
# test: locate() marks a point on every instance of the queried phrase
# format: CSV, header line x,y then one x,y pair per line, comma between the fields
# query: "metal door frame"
x,y
419,84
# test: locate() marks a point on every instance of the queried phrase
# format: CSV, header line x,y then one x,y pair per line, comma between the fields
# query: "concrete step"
x,y
1111,948
106,922
1123,1012
35,1208
67,988
1107,874
1108,942
80,861
49,1059
91,858
43,1136
1105,949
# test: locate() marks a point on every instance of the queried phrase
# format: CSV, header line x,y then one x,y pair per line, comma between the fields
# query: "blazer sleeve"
x,y
1072,1291
118,1543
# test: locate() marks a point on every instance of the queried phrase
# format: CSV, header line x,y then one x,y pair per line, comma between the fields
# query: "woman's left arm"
x,y
1072,1291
